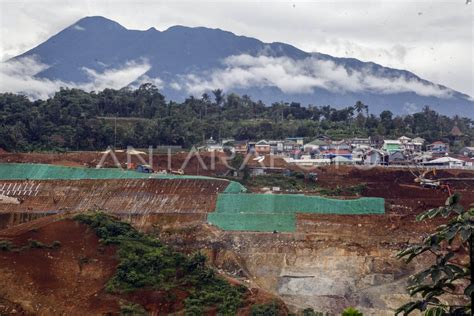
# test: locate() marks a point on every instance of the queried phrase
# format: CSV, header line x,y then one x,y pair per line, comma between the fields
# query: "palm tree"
x,y
218,96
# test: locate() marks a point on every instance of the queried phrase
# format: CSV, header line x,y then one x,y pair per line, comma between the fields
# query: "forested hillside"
x,y
78,120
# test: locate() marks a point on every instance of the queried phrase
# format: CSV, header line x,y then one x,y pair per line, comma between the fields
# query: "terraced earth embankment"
x,y
325,261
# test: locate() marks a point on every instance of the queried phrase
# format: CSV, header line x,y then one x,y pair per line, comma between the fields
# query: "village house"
x,y
438,148
212,145
397,157
445,162
333,153
468,151
468,161
241,147
375,157
363,143
262,147
276,146
411,145
418,144
298,140
340,145
391,146
316,145
290,146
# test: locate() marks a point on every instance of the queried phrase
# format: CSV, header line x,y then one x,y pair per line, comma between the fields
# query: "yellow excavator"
x,y
434,183
431,183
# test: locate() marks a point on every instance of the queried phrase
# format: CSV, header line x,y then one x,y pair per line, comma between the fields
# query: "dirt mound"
x,y
2,151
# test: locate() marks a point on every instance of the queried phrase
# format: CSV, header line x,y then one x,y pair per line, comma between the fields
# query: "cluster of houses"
x,y
373,151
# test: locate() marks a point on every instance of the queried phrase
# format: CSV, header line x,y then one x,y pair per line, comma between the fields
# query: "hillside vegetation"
x,y
77,120
145,263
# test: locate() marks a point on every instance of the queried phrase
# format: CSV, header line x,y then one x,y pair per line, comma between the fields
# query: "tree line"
x,y
77,120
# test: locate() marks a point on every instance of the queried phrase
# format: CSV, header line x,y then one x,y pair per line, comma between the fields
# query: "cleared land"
x,y
328,263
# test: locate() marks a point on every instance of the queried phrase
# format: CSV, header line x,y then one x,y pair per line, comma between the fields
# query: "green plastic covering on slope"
x,y
267,222
25,171
235,187
235,210
269,212
291,203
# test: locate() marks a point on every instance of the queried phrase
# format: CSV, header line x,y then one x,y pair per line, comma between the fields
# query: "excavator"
x,y
431,183
434,183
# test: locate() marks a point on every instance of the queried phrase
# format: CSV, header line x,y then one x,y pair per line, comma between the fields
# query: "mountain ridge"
x,y
191,60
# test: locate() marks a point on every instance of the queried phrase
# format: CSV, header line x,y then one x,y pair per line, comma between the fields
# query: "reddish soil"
x,y
68,280
190,163
397,186
129,196
202,163
71,279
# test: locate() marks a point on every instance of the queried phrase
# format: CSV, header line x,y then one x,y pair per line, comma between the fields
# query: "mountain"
x,y
96,52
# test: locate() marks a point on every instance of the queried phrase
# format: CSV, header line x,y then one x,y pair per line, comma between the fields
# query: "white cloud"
x,y
176,86
18,76
78,28
116,77
302,76
157,82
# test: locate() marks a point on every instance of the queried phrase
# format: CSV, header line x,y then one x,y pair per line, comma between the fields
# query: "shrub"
x,y
32,243
351,312
357,189
311,312
144,262
6,245
269,309
132,310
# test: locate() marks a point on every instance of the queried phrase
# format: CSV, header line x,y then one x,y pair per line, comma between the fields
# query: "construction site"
x,y
303,249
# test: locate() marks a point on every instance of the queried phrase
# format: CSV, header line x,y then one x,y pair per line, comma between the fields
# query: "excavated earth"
x,y
331,262
70,279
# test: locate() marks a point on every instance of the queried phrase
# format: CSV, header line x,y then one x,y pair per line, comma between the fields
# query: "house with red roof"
x,y
438,148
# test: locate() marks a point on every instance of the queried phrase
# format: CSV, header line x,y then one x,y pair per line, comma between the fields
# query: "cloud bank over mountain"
x,y
302,76
96,53
19,76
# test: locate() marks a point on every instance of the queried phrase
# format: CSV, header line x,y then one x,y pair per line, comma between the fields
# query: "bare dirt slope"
x,y
67,280
70,278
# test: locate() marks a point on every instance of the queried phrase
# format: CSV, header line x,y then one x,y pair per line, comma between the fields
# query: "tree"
x,y
445,287
359,107
218,96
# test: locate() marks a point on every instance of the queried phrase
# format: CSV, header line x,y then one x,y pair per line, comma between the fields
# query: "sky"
x,y
432,38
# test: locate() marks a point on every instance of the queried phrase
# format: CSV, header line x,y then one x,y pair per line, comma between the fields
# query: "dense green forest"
x,y
77,120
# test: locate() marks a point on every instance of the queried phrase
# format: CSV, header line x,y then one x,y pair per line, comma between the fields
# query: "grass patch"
x,y
6,245
354,190
295,182
146,263
32,244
